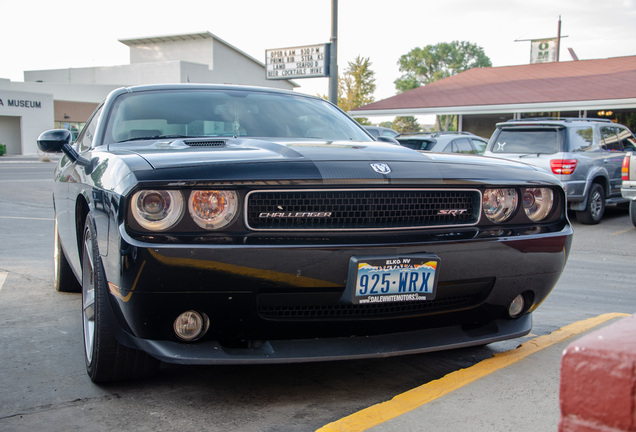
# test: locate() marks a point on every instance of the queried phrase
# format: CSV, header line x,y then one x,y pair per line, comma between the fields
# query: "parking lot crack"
x,y
61,405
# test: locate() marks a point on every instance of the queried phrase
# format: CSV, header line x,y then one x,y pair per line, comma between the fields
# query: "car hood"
x,y
243,159
193,152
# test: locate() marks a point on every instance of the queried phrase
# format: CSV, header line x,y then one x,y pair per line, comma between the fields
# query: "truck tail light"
x,y
563,166
625,168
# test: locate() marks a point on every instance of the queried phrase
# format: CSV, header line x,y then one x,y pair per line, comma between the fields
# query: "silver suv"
x,y
446,142
585,154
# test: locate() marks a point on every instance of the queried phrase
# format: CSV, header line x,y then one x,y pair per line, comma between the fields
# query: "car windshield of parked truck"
x,y
580,138
530,141
226,113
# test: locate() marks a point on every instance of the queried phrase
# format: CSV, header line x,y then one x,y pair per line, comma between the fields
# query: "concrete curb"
x,y
598,378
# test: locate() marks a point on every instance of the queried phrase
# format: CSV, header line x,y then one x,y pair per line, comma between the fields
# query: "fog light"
x,y
517,306
191,325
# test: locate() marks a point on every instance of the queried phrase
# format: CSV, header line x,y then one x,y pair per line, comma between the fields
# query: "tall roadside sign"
x,y
308,61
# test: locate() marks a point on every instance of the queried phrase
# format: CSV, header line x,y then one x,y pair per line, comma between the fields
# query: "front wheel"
x,y
595,206
632,212
106,359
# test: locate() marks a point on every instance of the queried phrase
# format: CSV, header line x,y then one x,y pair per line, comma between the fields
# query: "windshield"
x,y
531,141
226,113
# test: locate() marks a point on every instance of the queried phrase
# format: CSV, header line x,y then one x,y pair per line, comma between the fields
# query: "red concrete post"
x,y
598,380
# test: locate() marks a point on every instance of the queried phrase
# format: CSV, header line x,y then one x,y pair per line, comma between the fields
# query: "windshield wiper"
x,y
141,138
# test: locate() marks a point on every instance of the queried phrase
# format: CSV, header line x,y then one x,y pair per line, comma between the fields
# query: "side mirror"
x,y
59,140
53,141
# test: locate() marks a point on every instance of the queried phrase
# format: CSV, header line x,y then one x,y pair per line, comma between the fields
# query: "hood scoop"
x,y
205,142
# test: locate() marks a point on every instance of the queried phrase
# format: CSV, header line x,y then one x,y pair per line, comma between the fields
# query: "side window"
x,y
610,139
389,133
480,146
580,138
463,146
86,136
628,142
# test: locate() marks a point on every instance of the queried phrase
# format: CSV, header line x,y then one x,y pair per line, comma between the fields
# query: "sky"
x,y
45,34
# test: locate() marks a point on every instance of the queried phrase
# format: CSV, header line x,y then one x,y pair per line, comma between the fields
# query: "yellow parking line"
x,y
622,232
405,402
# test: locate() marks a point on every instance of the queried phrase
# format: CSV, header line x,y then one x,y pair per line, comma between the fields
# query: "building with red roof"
x,y
482,97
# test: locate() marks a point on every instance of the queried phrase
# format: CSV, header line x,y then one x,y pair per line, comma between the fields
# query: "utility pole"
x,y
558,41
333,54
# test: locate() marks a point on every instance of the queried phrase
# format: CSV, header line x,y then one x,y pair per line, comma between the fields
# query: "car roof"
x,y
552,121
452,134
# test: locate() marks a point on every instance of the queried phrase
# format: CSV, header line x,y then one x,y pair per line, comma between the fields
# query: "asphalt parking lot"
x,y
511,385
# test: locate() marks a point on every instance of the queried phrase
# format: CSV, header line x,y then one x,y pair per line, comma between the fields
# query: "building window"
x,y
74,127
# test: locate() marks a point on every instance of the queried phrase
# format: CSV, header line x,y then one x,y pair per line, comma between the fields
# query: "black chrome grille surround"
x,y
343,311
361,209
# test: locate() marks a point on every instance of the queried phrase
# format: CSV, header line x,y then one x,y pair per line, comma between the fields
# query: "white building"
x,y
65,98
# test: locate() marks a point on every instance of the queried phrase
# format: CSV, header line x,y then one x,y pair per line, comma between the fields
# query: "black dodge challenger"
x,y
210,224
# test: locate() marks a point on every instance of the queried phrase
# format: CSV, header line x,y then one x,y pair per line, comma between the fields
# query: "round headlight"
x,y
499,204
213,209
537,202
157,210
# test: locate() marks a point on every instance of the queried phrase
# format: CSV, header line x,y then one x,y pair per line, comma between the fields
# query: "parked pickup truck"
x,y
628,189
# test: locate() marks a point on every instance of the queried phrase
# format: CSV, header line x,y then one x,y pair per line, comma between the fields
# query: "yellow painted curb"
x,y
407,401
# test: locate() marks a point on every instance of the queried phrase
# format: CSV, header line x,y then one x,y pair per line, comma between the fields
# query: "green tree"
x,y
406,124
423,66
357,85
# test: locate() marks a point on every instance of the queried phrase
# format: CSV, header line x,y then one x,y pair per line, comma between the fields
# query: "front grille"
x,y
326,306
361,209
376,310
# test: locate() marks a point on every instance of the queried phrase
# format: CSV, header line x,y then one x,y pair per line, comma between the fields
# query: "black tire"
x,y
106,359
64,279
632,212
595,206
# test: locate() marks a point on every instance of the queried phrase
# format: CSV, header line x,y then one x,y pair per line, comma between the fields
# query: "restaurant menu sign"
x,y
298,62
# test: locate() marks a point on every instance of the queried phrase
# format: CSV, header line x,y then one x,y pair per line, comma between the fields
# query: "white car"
x,y
628,189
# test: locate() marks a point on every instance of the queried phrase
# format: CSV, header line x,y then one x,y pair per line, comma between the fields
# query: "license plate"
x,y
392,279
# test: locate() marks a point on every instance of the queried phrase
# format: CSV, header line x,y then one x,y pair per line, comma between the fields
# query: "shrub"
x,y
3,149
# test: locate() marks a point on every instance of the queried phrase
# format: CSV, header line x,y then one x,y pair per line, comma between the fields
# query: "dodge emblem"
x,y
381,168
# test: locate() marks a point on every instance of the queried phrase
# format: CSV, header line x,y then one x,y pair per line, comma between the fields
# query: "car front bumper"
x,y
331,349
283,303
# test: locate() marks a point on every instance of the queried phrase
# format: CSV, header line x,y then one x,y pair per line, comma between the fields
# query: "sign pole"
x,y
333,55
